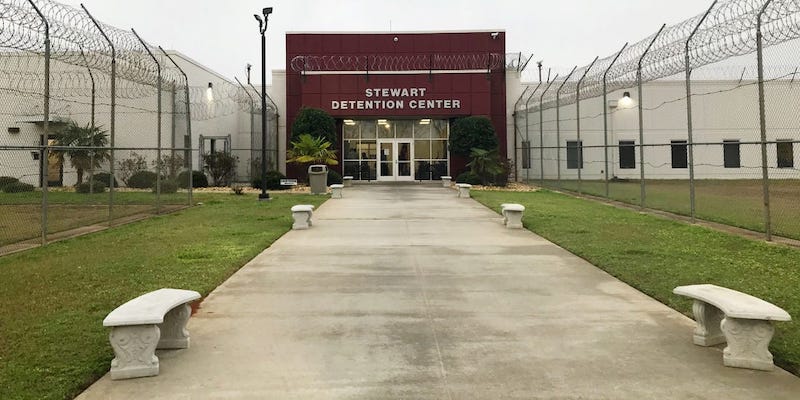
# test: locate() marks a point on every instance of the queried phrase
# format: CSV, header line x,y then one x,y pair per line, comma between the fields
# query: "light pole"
x,y
262,27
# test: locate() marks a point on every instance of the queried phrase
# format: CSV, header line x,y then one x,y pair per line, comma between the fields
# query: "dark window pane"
x,y
422,171
730,150
679,154
574,155
526,155
785,154
627,154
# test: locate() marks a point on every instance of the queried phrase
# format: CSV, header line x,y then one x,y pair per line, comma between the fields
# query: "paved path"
x,y
406,292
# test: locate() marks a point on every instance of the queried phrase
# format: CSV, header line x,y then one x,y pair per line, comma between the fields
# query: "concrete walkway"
x,y
406,292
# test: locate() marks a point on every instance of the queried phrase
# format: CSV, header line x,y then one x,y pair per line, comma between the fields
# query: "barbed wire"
x,y
393,62
728,31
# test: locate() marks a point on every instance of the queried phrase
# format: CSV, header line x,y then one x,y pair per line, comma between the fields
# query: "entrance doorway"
x,y
395,160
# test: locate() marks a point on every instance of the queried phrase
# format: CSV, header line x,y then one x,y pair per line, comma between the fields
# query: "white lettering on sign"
x,y
396,99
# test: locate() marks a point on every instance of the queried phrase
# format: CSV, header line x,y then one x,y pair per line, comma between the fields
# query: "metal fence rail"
x,y
714,110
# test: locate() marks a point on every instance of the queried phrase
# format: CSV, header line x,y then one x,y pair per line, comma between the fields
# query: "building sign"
x,y
396,99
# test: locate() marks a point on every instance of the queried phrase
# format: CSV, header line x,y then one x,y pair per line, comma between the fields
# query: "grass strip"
x,y
53,299
655,255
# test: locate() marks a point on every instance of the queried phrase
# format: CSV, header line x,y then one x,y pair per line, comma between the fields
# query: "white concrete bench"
x,y
446,181
302,214
512,215
336,191
463,190
741,320
347,181
155,320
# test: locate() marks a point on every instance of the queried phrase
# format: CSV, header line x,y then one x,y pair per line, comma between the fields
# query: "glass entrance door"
x,y
396,160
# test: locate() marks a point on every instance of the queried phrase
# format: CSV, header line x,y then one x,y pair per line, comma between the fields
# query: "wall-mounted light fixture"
x,y
425,121
349,122
210,92
13,130
626,101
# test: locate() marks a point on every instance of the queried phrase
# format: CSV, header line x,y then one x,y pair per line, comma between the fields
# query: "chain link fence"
x,y
698,119
101,127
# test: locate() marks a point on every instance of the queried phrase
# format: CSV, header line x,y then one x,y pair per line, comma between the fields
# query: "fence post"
x,y
558,126
92,120
186,143
541,127
46,121
112,129
527,131
690,141
605,114
578,122
252,121
762,115
158,119
642,189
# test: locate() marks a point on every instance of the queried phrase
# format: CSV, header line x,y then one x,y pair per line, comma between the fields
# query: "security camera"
x,y
495,35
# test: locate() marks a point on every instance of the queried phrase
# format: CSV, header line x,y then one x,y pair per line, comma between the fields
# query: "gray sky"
x,y
223,35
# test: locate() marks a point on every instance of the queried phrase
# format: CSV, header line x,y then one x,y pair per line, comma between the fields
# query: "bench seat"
x,y
463,190
336,191
743,321
155,320
302,215
512,215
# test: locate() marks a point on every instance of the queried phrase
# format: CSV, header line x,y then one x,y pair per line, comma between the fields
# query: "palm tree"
x,y
89,147
310,149
485,164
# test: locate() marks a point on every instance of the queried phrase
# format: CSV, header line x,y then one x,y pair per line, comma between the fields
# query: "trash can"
x,y
318,179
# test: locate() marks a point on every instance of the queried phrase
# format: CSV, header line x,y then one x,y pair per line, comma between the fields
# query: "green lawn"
x,y
655,255
732,202
53,299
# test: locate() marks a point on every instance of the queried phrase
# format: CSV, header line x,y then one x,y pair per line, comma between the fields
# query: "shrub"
x,y
221,166
104,178
472,133
237,189
86,187
129,167
273,181
18,187
314,122
334,178
199,179
468,177
6,180
142,180
167,187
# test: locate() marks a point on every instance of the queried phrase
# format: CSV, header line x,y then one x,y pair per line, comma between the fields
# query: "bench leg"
x,y
134,351
336,193
300,220
513,220
707,333
173,330
748,343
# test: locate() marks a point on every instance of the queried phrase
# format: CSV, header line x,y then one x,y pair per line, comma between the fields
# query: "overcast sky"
x,y
223,35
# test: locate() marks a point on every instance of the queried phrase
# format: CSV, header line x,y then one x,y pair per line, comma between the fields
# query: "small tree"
x,y
89,143
221,166
314,122
308,149
472,133
171,164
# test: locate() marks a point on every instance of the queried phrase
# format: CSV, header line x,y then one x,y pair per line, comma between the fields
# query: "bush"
x,y
18,187
221,166
85,187
468,177
167,187
104,178
199,179
142,180
314,122
334,178
273,181
472,133
129,167
7,180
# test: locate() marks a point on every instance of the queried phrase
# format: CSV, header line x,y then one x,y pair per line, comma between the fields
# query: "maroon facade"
x,y
399,75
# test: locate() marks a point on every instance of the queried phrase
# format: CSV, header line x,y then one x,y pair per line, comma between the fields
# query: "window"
x,y
526,155
785,154
574,155
627,154
730,150
679,154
